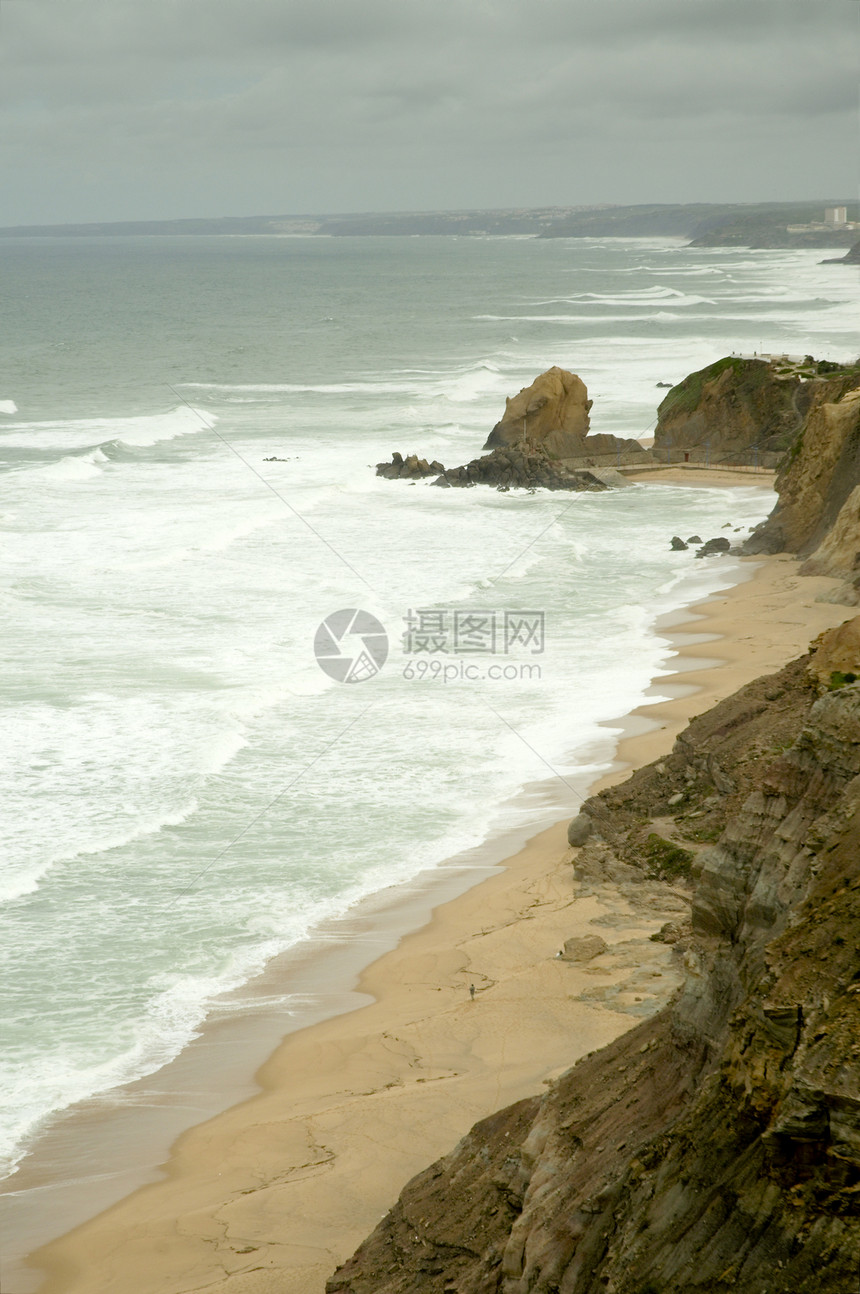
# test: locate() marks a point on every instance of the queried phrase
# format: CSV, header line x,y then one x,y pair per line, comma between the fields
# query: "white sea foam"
x,y
81,433
307,388
591,319
8,407
80,467
658,292
457,383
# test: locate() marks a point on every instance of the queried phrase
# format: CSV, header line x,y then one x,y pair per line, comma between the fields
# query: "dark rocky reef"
x,y
410,468
524,467
851,257
711,547
715,1147
518,467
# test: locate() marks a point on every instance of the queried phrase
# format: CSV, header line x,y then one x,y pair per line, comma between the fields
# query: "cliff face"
x,y
715,1147
734,411
818,513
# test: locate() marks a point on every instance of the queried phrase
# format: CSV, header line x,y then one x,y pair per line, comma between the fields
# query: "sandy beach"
x,y
274,1192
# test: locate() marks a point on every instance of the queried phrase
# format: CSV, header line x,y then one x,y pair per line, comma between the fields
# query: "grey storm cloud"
x,y
115,110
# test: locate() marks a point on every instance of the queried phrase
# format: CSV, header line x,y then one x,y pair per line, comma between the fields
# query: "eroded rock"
x,y
584,948
553,413
579,829
409,468
713,546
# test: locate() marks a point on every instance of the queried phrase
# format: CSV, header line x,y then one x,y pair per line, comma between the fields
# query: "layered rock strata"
x,y
715,1147
818,512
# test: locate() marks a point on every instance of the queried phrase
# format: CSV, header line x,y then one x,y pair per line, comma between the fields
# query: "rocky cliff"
x,y
749,411
715,1147
737,410
818,512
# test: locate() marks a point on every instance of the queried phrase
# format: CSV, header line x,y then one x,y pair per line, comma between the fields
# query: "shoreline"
x,y
99,1151
417,1064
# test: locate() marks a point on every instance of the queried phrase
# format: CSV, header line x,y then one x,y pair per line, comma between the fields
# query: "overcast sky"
x,y
114,110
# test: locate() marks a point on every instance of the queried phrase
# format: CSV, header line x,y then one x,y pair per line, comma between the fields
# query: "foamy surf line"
x,y
101,1150
171,1020
92,433
256,1146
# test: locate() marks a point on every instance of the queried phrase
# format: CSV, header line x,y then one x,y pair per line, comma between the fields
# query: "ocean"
x,y
188,433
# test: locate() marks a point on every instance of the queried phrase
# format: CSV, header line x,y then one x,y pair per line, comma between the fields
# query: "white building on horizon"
x,y
834,218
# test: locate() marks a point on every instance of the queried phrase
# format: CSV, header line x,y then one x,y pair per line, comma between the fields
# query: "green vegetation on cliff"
x,y
686,394
736,410
746,410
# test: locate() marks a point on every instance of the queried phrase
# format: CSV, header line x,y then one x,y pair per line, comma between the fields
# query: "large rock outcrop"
x,y
552,412
552,416
716,1147
519,467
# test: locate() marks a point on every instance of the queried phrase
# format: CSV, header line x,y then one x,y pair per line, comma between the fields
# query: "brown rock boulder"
x,y
584,948
551,413
837,655
410,468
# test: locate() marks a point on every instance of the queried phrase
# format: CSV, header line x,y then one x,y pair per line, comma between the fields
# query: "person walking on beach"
x,y
472,992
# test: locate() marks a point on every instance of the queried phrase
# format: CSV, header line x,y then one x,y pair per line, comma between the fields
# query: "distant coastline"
x,y
761,225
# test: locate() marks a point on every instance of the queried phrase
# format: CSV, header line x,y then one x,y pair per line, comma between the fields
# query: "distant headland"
x,y
764,224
